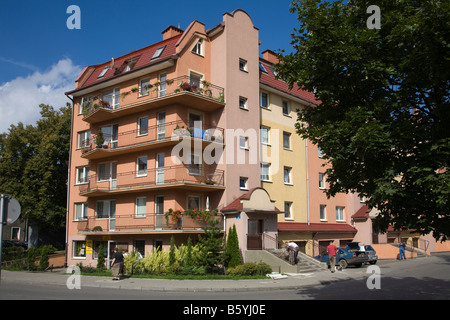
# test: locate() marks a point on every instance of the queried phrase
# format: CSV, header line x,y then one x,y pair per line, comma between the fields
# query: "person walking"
x,y
331,249
117,264
402,251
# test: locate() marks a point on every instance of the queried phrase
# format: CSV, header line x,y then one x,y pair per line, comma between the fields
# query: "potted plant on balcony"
x,y
182,132
99,140
206,88
134,89
174,216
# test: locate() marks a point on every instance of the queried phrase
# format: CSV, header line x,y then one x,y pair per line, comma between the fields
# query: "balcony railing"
x,y
143,138
146,222
199,94
190,175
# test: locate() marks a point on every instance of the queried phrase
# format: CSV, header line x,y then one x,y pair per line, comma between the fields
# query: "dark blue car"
x,y
344,258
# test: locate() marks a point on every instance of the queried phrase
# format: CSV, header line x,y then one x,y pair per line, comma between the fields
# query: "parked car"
x,y
367,249
9,243
344,258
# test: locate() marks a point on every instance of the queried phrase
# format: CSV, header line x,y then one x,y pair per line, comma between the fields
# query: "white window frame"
x,y
141,133
245,181
287,137
261,93
265,166
288,175
198,47
141,172
243,103
243,143
84,211
323,212
84,139
286,103
114,102
322,181
104,71
141,204
267,140
13,230
82,175
188,202
158,52
288,214
340,213
142,90
243,65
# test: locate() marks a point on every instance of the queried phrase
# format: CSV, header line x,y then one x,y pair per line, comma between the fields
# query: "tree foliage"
x,y
383,106
33,166
232,252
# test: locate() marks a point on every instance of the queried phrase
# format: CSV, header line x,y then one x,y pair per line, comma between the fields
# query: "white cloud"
x,y
20,98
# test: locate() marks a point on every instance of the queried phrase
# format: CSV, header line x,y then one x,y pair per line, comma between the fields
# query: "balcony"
x,y
181,90
148,223
191,177
150,138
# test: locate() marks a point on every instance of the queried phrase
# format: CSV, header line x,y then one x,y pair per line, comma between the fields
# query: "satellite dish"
x,y
11,208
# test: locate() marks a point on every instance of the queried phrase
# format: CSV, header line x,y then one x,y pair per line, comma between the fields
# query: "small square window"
x,y
243,65
243,142
264,100
102,74
340,214
243,183
243,103
286,108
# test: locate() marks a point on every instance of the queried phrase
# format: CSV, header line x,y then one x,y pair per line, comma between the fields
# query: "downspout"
x,y
68,181
307,179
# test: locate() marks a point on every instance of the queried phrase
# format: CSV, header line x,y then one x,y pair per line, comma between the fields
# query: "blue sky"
x,y
40,57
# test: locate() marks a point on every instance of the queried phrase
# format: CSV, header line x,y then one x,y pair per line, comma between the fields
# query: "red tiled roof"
x,y
236,205
315,227
270,80
145,59
362,213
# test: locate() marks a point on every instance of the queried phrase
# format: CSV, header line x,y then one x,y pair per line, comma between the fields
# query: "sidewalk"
x,y
293,281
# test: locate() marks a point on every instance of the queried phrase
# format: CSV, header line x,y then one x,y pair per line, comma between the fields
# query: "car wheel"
x,y
343,263
373,262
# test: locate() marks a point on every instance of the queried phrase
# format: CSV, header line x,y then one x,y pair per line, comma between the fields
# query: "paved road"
x,y
422,278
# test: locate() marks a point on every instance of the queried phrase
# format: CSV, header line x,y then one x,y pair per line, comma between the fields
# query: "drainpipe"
x,y
307,179
68,181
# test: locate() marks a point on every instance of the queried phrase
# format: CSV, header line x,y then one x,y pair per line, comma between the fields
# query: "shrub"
x,y
249,269
100,258
232,252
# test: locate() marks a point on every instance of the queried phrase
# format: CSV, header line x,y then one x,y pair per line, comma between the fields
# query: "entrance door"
x,y
111,246
254,235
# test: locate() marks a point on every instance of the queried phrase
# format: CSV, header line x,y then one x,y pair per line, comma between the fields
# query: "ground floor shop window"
x,y
79,249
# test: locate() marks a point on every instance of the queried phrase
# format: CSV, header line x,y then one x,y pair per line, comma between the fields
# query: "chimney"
x,y
170,32
270,56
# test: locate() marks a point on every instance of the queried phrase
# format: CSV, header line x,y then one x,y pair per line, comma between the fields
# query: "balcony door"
x,y
108,172
106,209
160,168
161,124
159,212
111,134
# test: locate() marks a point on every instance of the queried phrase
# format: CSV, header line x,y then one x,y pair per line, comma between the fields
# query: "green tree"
x,y
43,261
172,251
232,252
188,261
34,164
383,107
212,246
100,258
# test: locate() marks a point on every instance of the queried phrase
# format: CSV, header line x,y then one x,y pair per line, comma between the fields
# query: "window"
x,y
82,174
286,140
261,67
323,212
340,214
243,103
144,87
106,209
319,152
106,171
264,132
81,211
159,204
15,233
195,165
264,100
243,65
102,74
112,97
141,166
111,135
193,203
158,52
286,108
97,247
243,183
195,80
287,210
265,171
86,104
243,143
143,126
84,139
198,47
139,246
130,64
162,85
287,175
79,249
321,181
141,207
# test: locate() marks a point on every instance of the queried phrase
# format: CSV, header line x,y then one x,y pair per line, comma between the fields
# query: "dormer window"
x,y
198,48
158,52
130,64
103,72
